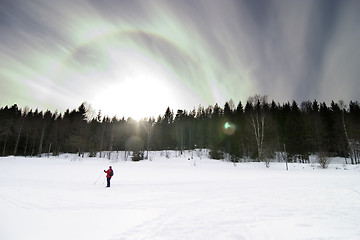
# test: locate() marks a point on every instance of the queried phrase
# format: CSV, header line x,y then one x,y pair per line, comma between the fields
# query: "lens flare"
x,y
229,128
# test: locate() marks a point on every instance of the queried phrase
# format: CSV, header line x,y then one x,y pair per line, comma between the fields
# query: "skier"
x,y
109,174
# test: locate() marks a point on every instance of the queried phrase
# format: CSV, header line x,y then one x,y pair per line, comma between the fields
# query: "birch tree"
x,y
256,118
343,110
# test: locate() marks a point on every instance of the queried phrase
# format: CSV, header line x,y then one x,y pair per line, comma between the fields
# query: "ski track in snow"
x,y
57,198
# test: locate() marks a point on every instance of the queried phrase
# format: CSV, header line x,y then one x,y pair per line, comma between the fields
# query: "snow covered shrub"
x,y
216,154
137,156
92,154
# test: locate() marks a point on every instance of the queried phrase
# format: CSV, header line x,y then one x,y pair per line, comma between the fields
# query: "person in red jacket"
x,y
109,174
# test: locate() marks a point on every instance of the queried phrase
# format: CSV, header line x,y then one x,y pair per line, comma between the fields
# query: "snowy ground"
x,y
57,198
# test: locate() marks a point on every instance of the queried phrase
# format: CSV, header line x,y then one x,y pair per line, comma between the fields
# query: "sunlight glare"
x,y
138,89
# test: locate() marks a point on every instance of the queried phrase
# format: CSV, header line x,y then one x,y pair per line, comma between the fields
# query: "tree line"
x,y
257,131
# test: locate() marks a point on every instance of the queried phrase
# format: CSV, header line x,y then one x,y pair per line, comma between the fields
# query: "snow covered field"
x,y
57,198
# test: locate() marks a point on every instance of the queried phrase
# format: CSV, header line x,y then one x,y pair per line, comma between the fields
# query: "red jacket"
x,y
108,173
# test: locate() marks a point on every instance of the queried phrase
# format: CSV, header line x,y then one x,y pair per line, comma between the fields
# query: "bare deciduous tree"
x,y
257,121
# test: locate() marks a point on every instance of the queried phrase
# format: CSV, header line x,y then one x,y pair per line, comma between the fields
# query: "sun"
x,y
137,88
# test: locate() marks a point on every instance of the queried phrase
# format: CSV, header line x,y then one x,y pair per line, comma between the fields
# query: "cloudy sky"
x,y
134,58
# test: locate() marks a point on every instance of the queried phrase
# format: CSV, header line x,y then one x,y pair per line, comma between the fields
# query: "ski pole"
x,y
98,178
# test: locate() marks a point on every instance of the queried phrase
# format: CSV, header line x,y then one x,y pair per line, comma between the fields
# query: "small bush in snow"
x,y
137,156
216,154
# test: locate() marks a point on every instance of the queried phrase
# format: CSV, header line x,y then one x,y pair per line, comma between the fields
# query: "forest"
x,y
257,131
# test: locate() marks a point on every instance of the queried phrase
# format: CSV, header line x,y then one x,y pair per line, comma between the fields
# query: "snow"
x,y
176,198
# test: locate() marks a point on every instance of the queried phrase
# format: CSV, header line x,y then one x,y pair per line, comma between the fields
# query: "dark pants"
x,y
108,182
